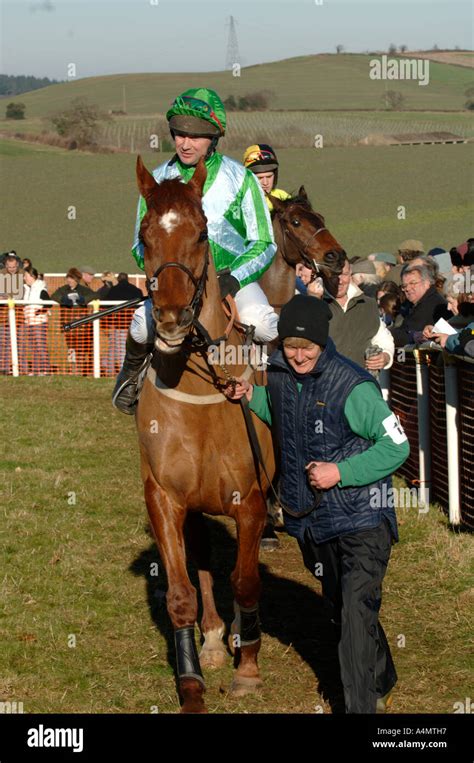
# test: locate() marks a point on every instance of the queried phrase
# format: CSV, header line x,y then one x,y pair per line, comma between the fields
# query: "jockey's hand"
x,y
236,391
323,475
228,284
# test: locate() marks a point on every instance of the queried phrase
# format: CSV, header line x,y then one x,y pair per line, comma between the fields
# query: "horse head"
x,y
174,234
305,238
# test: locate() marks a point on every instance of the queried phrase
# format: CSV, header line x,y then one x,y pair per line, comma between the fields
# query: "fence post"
x,y
424,431
13,339
452,436
384,381
96,340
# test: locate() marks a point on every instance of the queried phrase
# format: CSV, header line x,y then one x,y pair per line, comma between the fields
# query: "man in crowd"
x,y
426,304
356,325
407,251
339,444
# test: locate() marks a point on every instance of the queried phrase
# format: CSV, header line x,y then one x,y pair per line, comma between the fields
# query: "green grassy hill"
x,y
307,82
357,189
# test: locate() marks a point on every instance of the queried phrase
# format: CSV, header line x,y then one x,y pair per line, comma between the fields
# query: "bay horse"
x,y
301,236
195,453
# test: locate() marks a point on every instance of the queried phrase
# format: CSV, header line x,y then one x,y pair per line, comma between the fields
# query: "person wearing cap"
x,y
383,263
262,160
239,229
364,275
88,274
407,251
339,443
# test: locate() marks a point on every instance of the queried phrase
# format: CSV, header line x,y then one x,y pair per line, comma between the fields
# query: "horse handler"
x,y
339,444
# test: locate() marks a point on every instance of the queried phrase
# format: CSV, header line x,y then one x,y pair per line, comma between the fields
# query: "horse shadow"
x,y
291,612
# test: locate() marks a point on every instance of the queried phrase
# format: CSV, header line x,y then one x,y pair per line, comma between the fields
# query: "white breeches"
x,y
252,305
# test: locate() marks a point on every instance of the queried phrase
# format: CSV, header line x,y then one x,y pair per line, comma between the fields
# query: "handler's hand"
x,y
323,475
428,332
243,387
377,362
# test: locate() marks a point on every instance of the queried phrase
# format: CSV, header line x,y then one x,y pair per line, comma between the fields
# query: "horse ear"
x,y
302,193
146,182
277,203
199,178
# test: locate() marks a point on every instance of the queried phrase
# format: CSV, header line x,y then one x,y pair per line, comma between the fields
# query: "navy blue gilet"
x,y
310,426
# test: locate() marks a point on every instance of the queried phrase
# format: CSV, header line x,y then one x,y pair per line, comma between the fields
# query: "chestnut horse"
x,y
195,452
301,236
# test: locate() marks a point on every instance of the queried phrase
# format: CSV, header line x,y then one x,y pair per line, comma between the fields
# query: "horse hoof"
x,y
191,692
242,685
212,658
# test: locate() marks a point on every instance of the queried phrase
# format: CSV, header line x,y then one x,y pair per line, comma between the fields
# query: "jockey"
x,y
263,162
239,227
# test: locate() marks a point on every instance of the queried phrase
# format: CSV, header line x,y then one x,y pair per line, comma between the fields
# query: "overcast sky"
x,y
42,37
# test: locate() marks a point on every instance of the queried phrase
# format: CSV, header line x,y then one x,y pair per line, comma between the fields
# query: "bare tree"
x,y
403,48
393,100
392,49
339,48
81,122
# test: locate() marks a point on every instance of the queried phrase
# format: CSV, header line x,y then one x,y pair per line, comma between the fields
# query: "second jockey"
x,y
239,229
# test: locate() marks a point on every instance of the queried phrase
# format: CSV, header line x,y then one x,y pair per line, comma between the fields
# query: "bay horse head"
x,y
305,238
174,234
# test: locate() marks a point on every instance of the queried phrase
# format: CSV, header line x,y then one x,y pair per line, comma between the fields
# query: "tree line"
x,y
15,84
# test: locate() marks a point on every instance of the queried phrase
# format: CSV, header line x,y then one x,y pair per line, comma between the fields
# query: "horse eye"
x,y
295,222
202,236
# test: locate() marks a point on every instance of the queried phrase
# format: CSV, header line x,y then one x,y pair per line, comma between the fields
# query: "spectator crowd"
x,y
19,280
383,301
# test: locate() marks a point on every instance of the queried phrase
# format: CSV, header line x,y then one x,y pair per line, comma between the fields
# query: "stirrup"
x,y
128,404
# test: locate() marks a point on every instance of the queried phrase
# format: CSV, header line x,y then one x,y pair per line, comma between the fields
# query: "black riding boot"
x,y
126,393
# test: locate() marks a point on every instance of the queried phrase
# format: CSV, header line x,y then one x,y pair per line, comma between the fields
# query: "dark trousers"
x,y
351,568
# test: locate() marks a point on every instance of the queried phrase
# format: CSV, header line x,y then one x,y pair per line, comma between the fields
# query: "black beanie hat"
x,y
305,317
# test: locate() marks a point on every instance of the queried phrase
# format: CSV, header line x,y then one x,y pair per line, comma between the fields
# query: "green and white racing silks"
x,y
239,225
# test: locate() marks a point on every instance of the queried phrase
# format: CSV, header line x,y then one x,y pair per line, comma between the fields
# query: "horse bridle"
x,y
203,338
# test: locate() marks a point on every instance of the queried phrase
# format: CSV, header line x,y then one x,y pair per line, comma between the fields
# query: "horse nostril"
x,y
185,317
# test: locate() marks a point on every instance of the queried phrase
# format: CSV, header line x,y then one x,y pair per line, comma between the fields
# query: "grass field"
x,y
358,189
82,622
306,82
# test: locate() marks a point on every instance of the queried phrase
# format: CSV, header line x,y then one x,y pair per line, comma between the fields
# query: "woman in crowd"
x,y
34,334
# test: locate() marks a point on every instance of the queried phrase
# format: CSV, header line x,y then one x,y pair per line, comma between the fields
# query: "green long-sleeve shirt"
x,y
369,416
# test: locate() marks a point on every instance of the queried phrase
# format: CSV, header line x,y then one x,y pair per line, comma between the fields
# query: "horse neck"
x,y
278,282
194,374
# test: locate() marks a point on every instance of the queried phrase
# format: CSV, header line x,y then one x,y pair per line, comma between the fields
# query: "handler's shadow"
x,y
291,612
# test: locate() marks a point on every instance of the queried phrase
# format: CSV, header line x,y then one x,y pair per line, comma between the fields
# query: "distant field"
x,y
282,129
306,82
358,189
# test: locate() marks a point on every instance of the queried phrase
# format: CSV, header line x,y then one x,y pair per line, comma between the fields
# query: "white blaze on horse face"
x,y
169,221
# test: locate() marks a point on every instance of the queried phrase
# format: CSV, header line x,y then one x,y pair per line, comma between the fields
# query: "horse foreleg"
x,y
245,635
213,653
167,521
